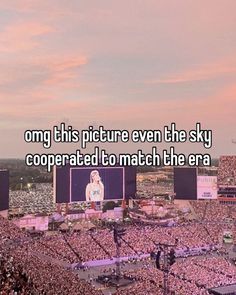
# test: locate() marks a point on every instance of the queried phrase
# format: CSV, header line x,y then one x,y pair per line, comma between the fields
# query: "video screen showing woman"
x,y
95,188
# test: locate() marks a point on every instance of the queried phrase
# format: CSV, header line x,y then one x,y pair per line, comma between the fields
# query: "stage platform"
x,y
114,281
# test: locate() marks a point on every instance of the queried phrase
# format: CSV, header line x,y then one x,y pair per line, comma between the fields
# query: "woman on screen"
x,y
95,189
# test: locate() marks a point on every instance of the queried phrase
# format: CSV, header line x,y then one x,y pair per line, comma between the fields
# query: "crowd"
x,y
148,189
147,280
37,200
26,267
227,171
13,279
35,266
186,276
23,271
87,246
9,232
213,211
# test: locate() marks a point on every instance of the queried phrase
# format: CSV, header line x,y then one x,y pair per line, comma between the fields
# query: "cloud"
x,y
217,110
84,61
199,73
46,75
23,36
63,71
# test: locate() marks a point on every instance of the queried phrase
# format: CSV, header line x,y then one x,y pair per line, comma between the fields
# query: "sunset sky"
x,y
122,64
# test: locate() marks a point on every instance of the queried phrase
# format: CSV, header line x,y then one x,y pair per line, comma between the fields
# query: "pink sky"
x,y
141,64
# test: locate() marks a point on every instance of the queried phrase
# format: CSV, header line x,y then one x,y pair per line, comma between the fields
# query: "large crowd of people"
x,y
186,276
212,210
150,189
90,245
26,266
227,171
33,265
220,216
37,200
24,271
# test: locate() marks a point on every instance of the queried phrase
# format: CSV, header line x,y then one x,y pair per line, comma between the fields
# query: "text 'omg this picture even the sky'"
x,y
122,64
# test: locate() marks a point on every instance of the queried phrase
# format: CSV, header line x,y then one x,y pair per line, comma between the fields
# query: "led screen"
x,y
185,183
4,190
96,184
80,184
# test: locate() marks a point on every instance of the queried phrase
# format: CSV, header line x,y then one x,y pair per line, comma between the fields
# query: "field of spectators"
x,y
227,171
24,272
140,238
33,200
25,269
187,276
213,211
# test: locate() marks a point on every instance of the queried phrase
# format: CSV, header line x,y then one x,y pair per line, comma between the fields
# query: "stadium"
x,y
109,230
117,154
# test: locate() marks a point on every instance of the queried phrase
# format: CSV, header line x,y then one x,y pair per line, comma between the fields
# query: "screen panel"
x,y
70,183
185,183
4,190
97,184
206,187
130,182
62,184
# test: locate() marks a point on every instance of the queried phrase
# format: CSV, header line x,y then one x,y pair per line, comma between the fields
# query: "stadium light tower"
x,y
117,234
169,259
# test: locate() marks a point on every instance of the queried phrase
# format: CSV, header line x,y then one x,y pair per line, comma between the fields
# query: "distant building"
x,y
37,222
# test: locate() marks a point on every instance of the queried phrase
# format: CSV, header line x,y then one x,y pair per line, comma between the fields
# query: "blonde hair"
x,y
90,185
92,174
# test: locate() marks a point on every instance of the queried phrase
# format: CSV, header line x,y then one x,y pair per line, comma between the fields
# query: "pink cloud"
x,y
152,114
18,103
45,74
22,36
39,105
63,71
17,5
199,73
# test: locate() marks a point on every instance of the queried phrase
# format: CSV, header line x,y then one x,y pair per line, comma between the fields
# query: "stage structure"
x,y
168,253
117,280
